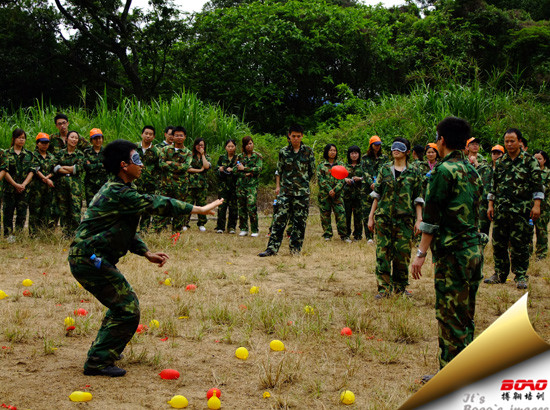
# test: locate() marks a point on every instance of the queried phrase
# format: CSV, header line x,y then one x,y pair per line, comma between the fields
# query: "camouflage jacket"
x,y
485,172
44,165
199,180
93,165
252,166
354,190
161,145
295,170
18,166
226,180
149,179
175,174
63,157
57,144
3,160
110,222
546,184
451,210
423,169
326,181
515,184
397,197
371,166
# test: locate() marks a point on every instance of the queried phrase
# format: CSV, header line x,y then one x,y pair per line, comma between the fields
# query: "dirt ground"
x,y
303,301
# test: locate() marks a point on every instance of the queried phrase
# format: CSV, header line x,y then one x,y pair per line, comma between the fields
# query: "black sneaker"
x,y
382,295
522,284
267,252
405,293
493,280
111,371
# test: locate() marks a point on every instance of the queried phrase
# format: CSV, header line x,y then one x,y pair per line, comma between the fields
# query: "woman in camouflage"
x,y
541,224
227,188
352,193
198,184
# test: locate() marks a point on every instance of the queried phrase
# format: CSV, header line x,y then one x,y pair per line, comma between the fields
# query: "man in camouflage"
x,y
485,172
148,181
450,227
514,203
93,165
58,141
168,138
174,161
108,232
296,167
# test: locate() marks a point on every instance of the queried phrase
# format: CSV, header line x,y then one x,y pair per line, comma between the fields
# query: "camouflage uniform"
x,y
108,230
69,190
197,188
57,144
175,180
451,214
41,196
148,182
96,175
18,166
228,191
3,167
541,224
161,145
353,203
395,216
327,203
369,167
485,171
247,190
295,172
514,186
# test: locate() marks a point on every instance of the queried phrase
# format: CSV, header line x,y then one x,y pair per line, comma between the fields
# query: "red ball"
x,y
80,312
213,391
191,287
141,328
346,331
27,292
169,374
339,172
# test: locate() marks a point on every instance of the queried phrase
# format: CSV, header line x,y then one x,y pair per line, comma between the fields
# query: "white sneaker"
x,y
232,231
11,239
255,234
370,241
243,233
202,229
347,240
219,231
184,229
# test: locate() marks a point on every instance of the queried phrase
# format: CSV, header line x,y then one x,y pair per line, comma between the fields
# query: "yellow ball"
x,y
69,321
168,282
277,346
254,289
214,403
80,396
27,282
3,295
242,279
178,402
347,397
241,353
309,310
154,323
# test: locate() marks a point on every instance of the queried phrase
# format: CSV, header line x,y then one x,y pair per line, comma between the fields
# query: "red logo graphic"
x,y
522,384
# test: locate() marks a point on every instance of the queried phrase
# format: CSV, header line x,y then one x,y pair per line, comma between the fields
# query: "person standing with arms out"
x,y
450,228
397,212
93,165
147,183
514,205
541,225
107,233
41,191
198,184
69,165
58,141
330,195
370,164
18,175
352,193
296,167
227,188
249,166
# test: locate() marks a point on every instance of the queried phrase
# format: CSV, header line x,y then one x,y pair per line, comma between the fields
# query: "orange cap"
x,y
95,132
434,146
472,140
41,136
498,148
373,139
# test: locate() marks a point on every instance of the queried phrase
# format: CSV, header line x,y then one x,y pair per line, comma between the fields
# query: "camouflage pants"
x,y
353,207
288,225
541,231
247,198
366,200
336,205
458,274
512,232
110,287
196,196
161,222
69,203
18,204
146,218
229,206
393,253
40,205
295,208
91,186
484,222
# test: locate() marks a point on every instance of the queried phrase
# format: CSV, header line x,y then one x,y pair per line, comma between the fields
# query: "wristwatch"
x,y
421,254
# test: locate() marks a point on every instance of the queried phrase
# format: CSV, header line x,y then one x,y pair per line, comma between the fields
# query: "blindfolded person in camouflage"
x,y
108,232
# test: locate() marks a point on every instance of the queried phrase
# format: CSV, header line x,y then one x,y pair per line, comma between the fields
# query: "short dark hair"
x,y
419,151
295,128
148,127
196,142
245,142
16,134
518,133
60,116
354,148
545,156
115,152
456,132
179,128
230,140
327,149
170,127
